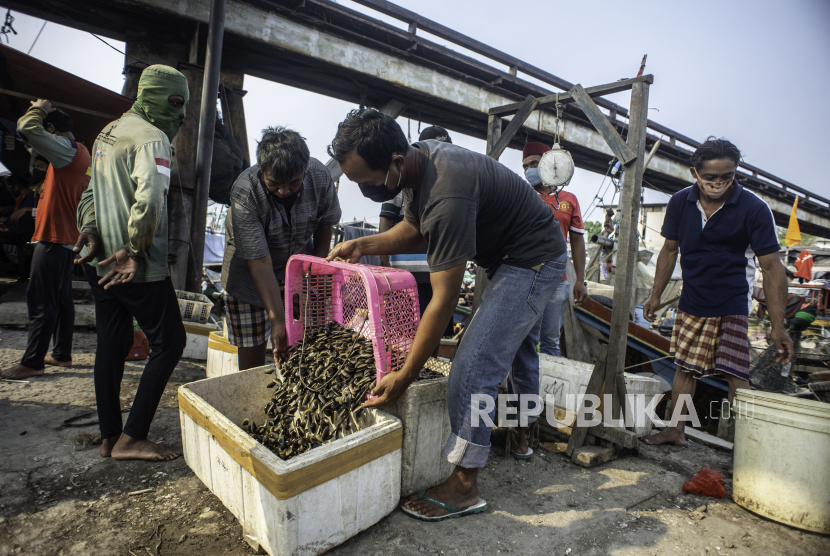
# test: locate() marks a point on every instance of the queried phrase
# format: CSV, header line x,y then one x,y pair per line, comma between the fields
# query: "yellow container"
x,y
221,356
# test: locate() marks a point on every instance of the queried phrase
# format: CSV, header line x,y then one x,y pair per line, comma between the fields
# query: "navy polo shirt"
x,y
717,256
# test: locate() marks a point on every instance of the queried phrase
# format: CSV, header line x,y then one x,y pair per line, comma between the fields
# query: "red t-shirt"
x,y
568,213
804,264
56,220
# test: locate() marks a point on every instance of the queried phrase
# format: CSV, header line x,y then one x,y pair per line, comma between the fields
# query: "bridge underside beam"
x,y
293,48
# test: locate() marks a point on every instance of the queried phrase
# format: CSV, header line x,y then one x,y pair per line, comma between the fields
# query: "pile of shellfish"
x,y
319,391
318,396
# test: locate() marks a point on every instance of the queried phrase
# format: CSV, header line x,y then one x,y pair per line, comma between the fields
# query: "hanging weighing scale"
x,y
556,167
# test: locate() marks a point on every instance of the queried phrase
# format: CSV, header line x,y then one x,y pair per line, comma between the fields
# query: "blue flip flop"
x,y
454,512
495,439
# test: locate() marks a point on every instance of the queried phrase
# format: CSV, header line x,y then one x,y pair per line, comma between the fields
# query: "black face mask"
x,y
381,193
38,175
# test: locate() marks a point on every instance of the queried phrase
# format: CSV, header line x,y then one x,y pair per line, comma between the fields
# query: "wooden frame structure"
x,y
608,370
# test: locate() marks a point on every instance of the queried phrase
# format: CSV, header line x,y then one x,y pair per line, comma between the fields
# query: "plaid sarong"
x,y
711,346
248,325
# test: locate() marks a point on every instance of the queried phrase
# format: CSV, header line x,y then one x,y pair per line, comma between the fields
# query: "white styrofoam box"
x,y
300,507
197,340
426,426
560,376
222,357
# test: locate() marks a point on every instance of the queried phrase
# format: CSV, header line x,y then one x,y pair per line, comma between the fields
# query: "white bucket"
x,y
782,450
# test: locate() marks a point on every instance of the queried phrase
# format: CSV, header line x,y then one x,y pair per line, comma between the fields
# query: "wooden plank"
x,y
622,151
594,388
528,106
62,105
494,126
632,185
621,437
567,98
705,438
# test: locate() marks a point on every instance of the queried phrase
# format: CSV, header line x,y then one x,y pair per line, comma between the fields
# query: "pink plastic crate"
x,y
379,302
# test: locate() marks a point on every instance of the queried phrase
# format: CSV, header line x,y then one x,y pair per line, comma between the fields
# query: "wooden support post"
x,y
594,388
622,151
182,180
625,284
528,106
494,125
565,98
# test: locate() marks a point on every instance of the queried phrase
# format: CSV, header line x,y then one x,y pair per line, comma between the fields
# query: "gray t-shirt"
x,y
471,207
257,225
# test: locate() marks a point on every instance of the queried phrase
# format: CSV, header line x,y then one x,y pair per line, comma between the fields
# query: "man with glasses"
x,y
719,228
283,205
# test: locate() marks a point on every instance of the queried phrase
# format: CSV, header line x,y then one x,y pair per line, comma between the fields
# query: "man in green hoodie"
x,y
122,218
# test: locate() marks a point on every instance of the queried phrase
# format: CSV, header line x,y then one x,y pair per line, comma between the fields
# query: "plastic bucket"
x,y
782,450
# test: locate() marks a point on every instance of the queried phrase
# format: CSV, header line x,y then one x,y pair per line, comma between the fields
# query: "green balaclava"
x,y
157,84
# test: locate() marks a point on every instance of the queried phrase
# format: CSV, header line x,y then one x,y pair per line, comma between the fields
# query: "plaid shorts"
x,y
248,325
711,346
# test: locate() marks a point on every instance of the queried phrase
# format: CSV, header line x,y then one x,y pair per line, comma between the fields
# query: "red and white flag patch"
x,y
163,166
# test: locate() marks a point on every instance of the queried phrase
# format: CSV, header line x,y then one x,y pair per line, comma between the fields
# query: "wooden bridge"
x,y
321,46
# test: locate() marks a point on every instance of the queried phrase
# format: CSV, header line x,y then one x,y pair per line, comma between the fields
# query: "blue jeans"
x,y
504,332
552,320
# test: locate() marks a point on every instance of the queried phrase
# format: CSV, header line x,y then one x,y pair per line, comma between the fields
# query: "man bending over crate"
x,y
122,218
464,206
283,205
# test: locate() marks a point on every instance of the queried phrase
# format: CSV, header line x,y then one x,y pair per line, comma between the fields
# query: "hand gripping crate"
x,y
380,303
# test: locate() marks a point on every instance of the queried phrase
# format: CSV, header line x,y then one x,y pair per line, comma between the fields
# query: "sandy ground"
x,y
57,497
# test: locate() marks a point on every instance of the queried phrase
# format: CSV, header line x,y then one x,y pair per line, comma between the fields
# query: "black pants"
x,y
49,300
156,308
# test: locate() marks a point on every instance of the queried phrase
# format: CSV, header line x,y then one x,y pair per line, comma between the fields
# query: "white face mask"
x,y
532,176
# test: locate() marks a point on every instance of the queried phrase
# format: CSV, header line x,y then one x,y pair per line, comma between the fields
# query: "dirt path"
x,y
55,499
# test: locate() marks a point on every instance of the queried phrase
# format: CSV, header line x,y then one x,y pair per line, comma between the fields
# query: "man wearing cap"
x,y
416,260
122,218
565,207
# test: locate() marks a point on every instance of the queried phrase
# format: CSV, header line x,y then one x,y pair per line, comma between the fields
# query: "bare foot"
x,y
130,448
19,372
455,491
49,360
667,436
107,445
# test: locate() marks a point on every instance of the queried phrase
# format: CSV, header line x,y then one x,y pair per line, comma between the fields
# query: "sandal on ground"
x,y
498,441
454,512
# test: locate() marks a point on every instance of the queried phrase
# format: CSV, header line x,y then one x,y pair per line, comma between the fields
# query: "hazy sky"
x,y
753,71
